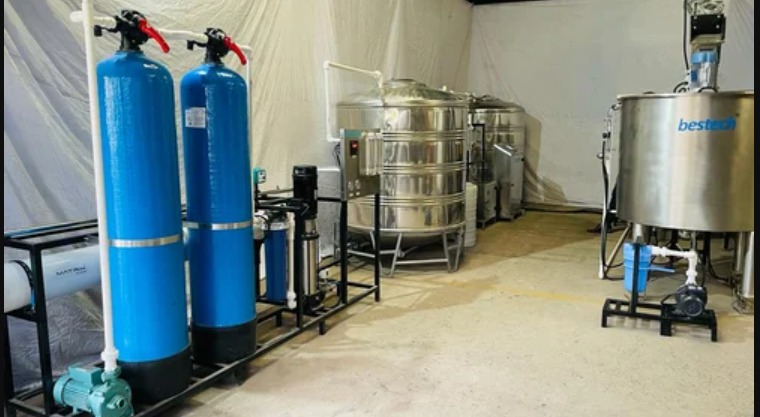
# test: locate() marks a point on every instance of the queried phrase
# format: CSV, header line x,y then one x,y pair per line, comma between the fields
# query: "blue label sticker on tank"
x,y
706,124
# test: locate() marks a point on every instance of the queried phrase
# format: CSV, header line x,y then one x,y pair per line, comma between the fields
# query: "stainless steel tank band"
x,y
144,243
219,226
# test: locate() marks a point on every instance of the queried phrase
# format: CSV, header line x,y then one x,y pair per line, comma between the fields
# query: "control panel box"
x,y
361,161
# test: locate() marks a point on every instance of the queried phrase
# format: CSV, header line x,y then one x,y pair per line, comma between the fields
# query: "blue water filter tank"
x,y
276,255
141,173
219,212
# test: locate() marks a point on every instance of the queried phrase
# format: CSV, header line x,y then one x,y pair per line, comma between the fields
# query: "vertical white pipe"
x,y
748,274
249,101
328,119
291,296
109,354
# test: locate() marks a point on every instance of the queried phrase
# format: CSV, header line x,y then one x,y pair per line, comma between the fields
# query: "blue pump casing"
x,y
276,255
89,389
218,188
141,173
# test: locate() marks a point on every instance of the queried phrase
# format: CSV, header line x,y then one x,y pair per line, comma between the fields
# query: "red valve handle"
x,y
147,29
232,46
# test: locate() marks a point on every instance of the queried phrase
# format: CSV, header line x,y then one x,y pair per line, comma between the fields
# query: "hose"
x,y
683,40
606,136
681,87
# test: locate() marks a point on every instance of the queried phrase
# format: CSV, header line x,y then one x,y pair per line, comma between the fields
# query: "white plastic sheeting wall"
x,y
47,155
566,60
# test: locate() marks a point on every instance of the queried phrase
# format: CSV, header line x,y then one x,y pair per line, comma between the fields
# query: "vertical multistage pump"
x,y
140,165
305,192
219,212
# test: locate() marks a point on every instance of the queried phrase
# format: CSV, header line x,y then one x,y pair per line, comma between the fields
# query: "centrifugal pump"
x,y
142,193
219,206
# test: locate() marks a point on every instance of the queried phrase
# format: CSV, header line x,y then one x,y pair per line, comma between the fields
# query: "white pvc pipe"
x,y
690,255
64,273
377,75
291,296
78,17
748,273
248,52
180,35
109,354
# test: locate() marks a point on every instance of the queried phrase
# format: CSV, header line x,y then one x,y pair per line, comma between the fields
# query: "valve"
x,y
217,45
135,31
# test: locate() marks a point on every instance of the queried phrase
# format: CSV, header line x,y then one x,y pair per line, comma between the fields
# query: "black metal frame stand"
x,y
666,313
35,242
204,376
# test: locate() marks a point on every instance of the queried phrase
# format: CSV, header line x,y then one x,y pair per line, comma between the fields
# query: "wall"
x,y
565,62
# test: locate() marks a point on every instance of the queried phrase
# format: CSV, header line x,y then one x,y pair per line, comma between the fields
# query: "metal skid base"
x,y
203,375
399,252
666,314
39,402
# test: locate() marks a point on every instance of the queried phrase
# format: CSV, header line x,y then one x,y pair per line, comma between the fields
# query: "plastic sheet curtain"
x,y
47,155
566,61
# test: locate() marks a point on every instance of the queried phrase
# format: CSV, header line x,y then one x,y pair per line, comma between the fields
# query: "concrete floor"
x,y
516,332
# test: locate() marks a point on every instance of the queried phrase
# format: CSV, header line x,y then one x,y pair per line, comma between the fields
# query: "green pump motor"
x,y
91,390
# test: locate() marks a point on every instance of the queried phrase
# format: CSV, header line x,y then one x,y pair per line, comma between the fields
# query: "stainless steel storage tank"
x,y
422,190
687,161
504,123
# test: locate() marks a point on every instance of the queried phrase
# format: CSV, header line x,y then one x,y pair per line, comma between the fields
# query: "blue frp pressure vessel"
x,y
218,187
140,163
276,250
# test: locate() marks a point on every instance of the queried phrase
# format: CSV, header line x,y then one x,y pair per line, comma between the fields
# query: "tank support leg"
x,y
460,248
446,251
376,251
396,254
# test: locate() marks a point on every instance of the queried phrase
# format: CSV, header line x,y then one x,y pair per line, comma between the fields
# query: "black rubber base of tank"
x,y
223,344
154,381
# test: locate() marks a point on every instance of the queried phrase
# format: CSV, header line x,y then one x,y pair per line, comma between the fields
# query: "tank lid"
x,y
720,94
491,102
403,92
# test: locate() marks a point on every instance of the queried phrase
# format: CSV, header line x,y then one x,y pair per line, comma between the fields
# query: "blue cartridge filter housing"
x,y
219,212
276,254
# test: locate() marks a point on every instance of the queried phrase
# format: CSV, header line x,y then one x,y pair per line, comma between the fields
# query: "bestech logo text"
x,y
707,124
